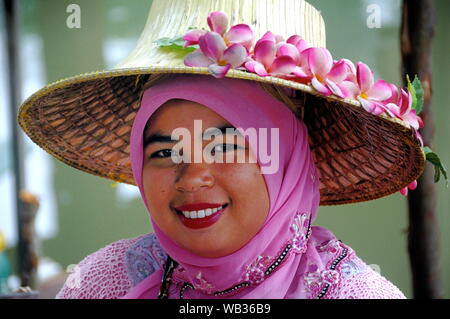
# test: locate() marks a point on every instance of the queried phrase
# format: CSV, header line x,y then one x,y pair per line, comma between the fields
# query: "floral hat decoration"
x,y
364,133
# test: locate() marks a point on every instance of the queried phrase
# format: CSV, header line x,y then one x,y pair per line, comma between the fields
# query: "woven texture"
x,y
359,156
105,275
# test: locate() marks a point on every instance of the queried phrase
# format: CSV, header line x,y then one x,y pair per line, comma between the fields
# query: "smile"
x,y
202,218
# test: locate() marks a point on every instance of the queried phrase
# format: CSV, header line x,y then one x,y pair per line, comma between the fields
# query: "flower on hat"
x,y
267,59
328,76
216,56
412,186
219,50
294,59
371,93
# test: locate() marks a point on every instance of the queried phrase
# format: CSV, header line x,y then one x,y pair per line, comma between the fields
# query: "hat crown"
x,y
172,18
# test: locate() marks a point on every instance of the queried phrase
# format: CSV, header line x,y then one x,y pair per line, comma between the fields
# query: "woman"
x,y
233,219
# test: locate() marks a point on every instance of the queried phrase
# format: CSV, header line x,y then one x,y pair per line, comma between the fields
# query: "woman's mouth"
x,y
200,218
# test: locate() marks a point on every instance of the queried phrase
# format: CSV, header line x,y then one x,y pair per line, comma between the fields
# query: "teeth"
x,y
201,213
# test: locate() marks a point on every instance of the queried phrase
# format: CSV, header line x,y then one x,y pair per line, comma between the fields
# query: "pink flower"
x,y
391,105
400,106
326,76
192,37
218,23
349,87
215,55
240,34
299,43
412,186
371,94
407,113
265,61
293,48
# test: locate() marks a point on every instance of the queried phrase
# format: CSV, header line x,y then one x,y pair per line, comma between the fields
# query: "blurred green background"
x,y
90,215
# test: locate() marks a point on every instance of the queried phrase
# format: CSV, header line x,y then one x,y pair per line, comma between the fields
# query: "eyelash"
x,y
155,154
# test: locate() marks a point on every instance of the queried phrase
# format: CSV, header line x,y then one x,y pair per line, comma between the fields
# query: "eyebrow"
x,y
160,138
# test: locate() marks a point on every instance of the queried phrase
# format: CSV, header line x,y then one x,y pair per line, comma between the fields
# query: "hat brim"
x,y
85,121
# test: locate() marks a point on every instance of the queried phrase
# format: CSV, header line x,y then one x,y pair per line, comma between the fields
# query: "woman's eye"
x,y
162,154
224,147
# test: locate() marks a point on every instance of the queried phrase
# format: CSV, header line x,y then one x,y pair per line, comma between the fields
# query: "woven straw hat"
x,y
85,121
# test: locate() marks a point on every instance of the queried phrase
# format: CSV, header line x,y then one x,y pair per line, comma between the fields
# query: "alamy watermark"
x,y
73,21
74,279
259,139
374,19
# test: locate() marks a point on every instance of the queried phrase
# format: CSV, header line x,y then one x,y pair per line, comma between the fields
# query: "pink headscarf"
x,y
274,262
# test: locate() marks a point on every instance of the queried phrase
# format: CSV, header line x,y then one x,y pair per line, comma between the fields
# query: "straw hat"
x,y
85,121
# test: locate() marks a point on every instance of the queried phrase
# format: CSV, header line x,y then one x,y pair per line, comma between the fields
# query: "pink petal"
x,y
364,76
380,91
193,36
302,46
218,22
350,65
304,56
368,105
242,34
301,73
378,109
265,52
392,109
419,137
279,38
268,36
288,50
294,39
219,71
338,72
197,59
335,89
320,87
413,119
394,95
404,191
320,61
413,185
235,55
256,67
250,65
405,101
212,45
349,89
283,65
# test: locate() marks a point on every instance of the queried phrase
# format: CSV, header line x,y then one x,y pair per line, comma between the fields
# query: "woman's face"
x,y
232,193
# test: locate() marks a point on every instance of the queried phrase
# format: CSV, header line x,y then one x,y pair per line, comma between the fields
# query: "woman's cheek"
x,y
157,193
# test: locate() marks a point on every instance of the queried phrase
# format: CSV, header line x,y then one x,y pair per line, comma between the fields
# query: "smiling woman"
x,y
286,128
205,208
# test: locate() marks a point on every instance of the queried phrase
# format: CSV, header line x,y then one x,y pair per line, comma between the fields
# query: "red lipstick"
x,y
204,221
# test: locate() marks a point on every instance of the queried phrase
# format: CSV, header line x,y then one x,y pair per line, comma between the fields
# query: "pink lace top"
x,y
113,270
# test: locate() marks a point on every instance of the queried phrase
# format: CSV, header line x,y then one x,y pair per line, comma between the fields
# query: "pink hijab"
x,y
276,261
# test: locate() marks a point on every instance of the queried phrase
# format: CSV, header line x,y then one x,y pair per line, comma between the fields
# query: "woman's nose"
x,y
193,177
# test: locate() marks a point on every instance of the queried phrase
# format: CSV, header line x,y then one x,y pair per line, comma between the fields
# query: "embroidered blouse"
x,y
113,270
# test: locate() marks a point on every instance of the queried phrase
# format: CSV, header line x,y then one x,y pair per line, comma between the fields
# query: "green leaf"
x,y
419,95
175,44
439,168
412,90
